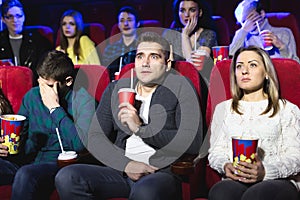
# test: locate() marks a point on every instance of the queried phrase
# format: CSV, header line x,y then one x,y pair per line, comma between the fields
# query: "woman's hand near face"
x,y
190,26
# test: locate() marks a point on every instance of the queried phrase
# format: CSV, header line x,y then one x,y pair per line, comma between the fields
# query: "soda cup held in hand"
x,y
11,127
244,149
198,58
126,95
266,40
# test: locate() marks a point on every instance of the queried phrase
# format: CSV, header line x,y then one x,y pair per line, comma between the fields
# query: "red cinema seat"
x,y
286,19
15,82
94,78
45,31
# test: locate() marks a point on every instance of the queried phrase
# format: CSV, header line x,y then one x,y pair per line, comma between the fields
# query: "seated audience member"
x,y
146,139
255,110
192,19
248,13
79,47
125,48
51,105
22,47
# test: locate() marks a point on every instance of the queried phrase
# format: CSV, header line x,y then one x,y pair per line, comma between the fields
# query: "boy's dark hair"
x,y
154,37
6,5
55,65
131,10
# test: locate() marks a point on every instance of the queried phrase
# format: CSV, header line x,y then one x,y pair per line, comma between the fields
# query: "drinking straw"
x,y
76,60
258,28
131,78
60,143
171,57
120,65
16,61
195,40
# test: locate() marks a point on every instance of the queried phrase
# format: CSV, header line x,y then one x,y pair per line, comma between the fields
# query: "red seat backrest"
x,y
15,82
286,19
288,73
114,36
94,78
45,31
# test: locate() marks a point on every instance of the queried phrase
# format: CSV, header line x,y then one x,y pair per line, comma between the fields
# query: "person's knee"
x,y
24,174
64,177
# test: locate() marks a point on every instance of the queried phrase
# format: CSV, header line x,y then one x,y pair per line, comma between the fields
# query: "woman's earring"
x,y
267,78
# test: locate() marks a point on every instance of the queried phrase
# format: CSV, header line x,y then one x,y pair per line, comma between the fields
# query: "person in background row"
x,y
125,48
138,144
79,47
21,46
256,110
53,104
250,12
192,19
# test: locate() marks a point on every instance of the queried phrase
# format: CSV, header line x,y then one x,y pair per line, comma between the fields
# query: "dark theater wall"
x,y
48,12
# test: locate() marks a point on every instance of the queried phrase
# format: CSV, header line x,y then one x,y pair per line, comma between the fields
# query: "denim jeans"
x,y
78,182
7,172
34,181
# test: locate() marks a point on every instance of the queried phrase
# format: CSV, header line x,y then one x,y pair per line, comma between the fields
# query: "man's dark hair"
x,y
55,65
155,37
131,10
6,5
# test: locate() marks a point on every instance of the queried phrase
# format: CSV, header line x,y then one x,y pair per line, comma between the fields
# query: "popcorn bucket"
x,y
11,126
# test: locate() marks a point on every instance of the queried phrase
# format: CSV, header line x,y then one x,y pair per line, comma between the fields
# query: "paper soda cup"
x,y
126,95
267,43
66,158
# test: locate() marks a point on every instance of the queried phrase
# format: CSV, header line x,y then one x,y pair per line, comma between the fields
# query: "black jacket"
x,y
32,48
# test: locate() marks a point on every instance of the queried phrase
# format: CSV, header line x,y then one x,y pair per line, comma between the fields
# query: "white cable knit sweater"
x,y
279,136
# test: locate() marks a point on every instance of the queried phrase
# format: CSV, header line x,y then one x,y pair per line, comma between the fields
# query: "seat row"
x,y
95,78
96,31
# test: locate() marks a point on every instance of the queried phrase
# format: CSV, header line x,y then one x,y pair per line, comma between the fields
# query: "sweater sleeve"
x,y
219,148
287,161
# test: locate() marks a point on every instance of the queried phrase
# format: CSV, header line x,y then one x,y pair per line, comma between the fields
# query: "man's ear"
x,y
69,81
169,65
200,12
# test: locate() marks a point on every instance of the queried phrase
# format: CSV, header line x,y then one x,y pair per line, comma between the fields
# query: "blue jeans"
x,y
7,172
34,181
79,181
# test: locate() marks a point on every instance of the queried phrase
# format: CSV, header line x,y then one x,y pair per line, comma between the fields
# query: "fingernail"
x,y
236,172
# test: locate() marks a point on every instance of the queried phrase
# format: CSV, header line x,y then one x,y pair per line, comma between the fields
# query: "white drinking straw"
x,y
195,45
120,64
76,60
131,78
16,61
58,135
258,28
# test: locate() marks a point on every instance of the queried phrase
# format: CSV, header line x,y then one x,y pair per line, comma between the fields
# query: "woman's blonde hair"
x,y
270,87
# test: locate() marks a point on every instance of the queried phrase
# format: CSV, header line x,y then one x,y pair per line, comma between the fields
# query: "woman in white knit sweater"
x,y
256,110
